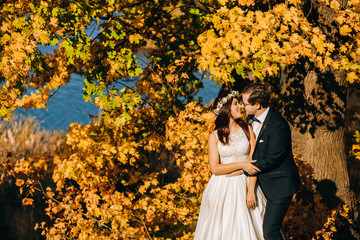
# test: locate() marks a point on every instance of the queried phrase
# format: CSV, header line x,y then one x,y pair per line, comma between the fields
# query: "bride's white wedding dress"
x,y
223,212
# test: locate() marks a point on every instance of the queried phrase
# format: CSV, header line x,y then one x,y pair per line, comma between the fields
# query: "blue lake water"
x,y
68,105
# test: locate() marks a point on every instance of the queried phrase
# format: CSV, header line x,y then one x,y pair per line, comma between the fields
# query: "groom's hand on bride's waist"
x,y
247,174
250,169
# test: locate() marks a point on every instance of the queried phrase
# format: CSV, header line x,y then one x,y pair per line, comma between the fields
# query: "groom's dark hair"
x,y
258,94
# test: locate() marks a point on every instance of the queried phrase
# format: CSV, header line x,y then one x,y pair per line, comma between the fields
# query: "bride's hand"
x,y
249,168
251,200
235,173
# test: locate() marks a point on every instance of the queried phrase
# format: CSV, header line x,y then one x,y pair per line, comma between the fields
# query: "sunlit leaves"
x,y
261,41
98,161
26,26
251,41
356,145
117,176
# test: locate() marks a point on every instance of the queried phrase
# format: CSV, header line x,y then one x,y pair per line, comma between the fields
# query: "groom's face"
x,y
249,109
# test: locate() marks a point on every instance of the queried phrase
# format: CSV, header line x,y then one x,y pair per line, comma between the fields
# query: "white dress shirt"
x,y
256,125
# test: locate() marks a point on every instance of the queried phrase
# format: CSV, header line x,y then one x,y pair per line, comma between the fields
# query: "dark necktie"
x,y
256,120
252,119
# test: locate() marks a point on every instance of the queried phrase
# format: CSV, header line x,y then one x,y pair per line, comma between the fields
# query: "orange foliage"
x,y
140,171
264,41
114,187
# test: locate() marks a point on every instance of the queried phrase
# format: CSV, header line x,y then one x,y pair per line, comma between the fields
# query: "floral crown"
x,y
224,100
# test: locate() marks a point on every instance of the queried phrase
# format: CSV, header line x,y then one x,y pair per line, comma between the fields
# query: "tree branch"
x,y
128,6
136,4
201,6
2,2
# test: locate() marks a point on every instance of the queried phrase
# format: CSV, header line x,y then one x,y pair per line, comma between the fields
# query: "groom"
x,y
278,178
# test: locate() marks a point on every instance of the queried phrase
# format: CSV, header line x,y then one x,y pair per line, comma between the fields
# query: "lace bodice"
x,y
237,150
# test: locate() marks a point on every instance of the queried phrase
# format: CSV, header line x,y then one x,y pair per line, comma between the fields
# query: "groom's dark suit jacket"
x,y
279,177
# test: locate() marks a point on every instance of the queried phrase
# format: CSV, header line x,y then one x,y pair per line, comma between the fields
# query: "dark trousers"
x,y
274,214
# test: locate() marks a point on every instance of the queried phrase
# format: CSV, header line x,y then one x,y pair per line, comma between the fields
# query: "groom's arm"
x,y
279,142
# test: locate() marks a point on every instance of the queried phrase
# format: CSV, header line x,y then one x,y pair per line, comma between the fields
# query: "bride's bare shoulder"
x,y
213,136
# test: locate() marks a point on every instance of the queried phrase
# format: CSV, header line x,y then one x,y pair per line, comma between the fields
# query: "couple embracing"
x,y
254,176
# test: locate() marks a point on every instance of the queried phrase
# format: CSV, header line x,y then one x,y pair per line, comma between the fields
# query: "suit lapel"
x,y
263,127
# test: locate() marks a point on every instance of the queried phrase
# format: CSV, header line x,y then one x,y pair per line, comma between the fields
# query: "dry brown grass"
x,y
22,137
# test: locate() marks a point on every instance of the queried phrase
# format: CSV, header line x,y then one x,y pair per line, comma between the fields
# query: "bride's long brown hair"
x,y
223,119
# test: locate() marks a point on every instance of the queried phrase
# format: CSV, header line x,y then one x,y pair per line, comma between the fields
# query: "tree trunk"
x,y
315,104
325,152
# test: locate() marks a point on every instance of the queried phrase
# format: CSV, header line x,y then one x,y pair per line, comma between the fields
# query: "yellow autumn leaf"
x,y
343,48
351,77
135,38
345,30
334,4
341,18
19,182
27,201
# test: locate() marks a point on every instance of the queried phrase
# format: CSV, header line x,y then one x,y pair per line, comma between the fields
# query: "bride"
x,y
232,206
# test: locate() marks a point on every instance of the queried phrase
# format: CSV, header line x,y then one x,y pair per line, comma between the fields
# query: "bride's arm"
x,y
250,194
217,168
